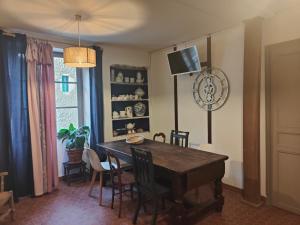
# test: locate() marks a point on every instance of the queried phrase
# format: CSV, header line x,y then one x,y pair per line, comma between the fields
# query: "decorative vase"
x,y
119,77
128,110
140,92
139,109
75,155
139,78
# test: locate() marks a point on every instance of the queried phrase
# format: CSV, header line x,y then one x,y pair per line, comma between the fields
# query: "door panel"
x,y
284,76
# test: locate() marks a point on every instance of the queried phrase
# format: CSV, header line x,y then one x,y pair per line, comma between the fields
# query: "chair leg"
x,y
101,185
155,210
12,206
112,196
137,208
131,191
92,182
144,199
120,197
163,203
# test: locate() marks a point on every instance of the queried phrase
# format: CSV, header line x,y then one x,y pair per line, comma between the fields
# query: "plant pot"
x,y
75,155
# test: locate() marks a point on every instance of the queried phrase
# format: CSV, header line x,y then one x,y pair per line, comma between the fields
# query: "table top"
x,y
174,158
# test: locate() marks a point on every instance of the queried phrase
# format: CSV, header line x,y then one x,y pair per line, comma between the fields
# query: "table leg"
x,y
68,176
218,195
178,215
65,173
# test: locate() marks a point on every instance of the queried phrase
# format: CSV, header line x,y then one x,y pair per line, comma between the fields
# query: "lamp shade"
x,y
79,57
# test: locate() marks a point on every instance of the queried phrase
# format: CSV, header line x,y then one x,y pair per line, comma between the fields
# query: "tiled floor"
x,y
72,206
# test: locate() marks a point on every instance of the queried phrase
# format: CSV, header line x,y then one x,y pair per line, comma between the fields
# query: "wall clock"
x,y
211,89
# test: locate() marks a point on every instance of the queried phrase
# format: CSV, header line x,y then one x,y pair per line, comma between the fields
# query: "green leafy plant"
x,y
75,138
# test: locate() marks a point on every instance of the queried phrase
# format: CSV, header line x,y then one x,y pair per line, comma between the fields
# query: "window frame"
x,y
79,83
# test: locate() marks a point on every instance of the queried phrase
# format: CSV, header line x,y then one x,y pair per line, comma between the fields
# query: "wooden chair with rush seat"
x,y
6,200
159,135
99,168
120,179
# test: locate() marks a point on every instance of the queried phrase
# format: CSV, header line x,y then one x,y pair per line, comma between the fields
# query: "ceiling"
x,y
149,24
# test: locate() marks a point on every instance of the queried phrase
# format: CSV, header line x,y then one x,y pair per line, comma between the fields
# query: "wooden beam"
x,y
209,113
251,111
175,99
176,103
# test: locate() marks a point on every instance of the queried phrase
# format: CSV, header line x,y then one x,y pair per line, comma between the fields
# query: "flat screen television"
x,y
184,61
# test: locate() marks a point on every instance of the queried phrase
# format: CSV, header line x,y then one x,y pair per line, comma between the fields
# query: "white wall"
x,y
227,54
227,122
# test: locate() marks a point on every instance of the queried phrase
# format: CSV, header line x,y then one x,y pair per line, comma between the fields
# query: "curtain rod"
x,y
6,33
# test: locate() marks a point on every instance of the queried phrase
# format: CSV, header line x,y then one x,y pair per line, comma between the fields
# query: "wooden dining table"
x,y
186,169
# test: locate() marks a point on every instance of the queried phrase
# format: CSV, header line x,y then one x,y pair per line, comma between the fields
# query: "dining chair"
x,y
145,183
180,138
120,180
6,200
159,135
99,168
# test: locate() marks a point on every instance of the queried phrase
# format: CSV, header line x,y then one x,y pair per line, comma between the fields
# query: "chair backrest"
x,y
2,176
180,138
159,135
143,170
93,158
115,167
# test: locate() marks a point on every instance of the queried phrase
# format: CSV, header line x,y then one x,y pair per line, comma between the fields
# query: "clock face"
x,y
211,89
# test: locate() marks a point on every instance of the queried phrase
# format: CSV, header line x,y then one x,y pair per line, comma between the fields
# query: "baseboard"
x,y
240,191
232,188
256,205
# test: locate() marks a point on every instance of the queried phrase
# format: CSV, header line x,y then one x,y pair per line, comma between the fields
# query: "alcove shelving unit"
x,y
129,89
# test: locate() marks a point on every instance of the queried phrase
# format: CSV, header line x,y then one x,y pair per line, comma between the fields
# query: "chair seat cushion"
x,y
126,178
4,197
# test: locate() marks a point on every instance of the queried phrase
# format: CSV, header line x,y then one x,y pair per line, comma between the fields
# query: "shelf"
x,y
129,84
132,118
133,100
123,95
124,135
126,67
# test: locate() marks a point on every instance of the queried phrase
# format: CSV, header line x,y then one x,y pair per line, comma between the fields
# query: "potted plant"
x,y
75,141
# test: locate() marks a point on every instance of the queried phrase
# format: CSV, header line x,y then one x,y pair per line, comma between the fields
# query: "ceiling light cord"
x,y
78,18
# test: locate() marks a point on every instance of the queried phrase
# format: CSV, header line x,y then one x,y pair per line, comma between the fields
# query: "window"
x,y
68,94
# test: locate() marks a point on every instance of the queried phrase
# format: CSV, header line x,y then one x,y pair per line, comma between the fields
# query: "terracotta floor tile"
x,y
72,206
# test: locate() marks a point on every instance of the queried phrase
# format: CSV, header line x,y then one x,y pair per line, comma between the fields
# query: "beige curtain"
x,y
41,105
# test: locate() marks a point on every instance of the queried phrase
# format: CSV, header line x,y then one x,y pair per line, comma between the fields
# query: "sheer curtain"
x,y
41,104
15,147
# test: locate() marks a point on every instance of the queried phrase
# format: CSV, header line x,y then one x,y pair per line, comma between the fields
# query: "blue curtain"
x,y
15,146
96,102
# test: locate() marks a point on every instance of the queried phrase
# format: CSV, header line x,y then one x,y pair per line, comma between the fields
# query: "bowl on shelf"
x,y
135,139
